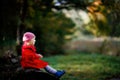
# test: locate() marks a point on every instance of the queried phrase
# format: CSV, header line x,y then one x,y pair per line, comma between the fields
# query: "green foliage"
x,y
50,32
36,16
49,27
86,66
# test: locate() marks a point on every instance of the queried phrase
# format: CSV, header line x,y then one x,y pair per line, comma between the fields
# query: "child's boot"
x,y
58,74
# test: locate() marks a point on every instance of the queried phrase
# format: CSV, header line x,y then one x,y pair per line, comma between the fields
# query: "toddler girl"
x,y
31,59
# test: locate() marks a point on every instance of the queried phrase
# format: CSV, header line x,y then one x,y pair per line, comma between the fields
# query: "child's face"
x,y
33,41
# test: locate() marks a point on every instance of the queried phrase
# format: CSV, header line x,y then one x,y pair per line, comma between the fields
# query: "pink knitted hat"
x,y
28,36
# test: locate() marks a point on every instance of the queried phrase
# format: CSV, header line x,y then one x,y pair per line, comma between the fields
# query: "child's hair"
x,y
28,36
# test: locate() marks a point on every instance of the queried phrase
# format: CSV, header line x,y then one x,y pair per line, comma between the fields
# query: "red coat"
x,y
30,59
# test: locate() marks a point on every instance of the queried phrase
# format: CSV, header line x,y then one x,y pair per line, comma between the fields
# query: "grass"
x,y
84,66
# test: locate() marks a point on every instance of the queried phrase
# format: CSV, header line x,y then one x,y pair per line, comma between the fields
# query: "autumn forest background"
x,y
53,23
87,28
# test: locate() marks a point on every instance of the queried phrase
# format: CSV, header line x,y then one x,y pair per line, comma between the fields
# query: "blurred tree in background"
x,y
8,23
104,15
113,16
19,16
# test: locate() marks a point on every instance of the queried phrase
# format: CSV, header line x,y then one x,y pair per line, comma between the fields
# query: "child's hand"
x,y
40,55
